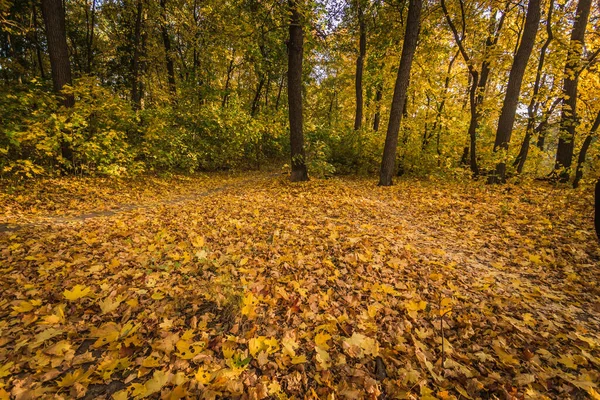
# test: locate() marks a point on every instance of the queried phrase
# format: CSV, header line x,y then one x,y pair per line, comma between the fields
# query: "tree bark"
x,y
583,152
38,47
90,36
54,19
360,62
279,90
295,54
227,81
136,93
534,102
167,44
597,209
513,89
378,96
256,100
399,99
568,119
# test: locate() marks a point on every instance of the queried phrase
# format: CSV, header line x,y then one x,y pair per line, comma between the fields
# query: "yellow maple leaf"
x,y
107,333
262,343
299,359
22,306
321,340
74,377
289,345
78,292
249,305
5,369
203,376
323,359
110,304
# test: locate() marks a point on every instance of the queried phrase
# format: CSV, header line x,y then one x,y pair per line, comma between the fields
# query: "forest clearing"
x,y
299,199
249,285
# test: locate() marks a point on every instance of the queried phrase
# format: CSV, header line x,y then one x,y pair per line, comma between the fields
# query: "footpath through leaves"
x,y
327,289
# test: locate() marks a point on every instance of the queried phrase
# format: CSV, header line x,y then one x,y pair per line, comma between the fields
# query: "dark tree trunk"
x,y
534,103
583,152
295,54
513,89
597,209
256,100
54,19
568,118
399,99
360,62
38,47
279,90
227,82
167,44
378,96
136,93
90,36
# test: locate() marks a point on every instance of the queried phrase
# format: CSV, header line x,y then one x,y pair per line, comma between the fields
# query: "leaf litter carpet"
x,y
248,286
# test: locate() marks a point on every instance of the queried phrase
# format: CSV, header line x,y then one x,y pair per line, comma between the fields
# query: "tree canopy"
x,y
189,85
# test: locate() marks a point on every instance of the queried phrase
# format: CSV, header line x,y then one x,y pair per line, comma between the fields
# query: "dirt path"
x,y
46,220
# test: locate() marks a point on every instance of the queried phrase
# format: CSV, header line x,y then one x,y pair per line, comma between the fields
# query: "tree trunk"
x,y
295,53
360,62
597,209
227,81
90,37
256,100
568,118
534,103
513,89
279,90
38,47
136,94
583,151
54,19
378,96
167,44
399,99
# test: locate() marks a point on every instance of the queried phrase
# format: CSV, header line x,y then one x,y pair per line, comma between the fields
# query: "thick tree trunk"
x,y
534,102
167,44
568,119
360,62
295,54
513,88
583,152
136,93
54,19
597,209
399,99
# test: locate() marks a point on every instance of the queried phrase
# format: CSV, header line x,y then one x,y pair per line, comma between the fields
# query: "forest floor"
x,y
248,285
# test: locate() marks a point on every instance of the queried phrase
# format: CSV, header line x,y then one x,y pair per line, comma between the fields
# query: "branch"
x,y
457,38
